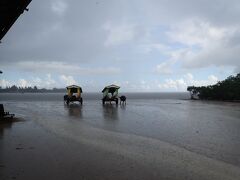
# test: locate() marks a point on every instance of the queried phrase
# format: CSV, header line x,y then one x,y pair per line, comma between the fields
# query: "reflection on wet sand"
x,y
4,126
123,106
110,111
74,110
7,124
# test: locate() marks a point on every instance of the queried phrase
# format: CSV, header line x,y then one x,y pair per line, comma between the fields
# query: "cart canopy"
x,y
74,89
110,89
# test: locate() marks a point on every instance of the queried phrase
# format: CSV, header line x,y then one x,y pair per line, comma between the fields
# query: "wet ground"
x,y
146,139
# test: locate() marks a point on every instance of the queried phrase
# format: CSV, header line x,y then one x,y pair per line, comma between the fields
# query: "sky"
x,y
140,45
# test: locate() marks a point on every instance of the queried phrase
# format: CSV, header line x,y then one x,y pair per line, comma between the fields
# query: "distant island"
x,y
226,90
35,89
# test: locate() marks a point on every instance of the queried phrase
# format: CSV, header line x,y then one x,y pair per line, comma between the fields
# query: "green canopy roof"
x,y
111,88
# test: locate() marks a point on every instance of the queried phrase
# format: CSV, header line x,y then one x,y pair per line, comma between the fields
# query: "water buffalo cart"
x,y
110,93
73,94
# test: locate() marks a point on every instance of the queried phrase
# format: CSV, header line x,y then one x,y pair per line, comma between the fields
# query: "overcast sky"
x,y
141,45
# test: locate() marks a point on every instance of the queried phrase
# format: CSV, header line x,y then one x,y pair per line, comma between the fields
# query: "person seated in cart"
x,y
73,94
110,93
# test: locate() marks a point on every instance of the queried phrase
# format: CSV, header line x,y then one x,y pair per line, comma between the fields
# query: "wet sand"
x,y
157,139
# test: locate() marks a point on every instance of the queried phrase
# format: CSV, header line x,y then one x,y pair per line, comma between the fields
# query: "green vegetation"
x,y
15,89
228,89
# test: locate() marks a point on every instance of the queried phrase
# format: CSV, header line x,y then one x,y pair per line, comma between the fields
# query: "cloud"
x,y
59,7
206,45
4,83
119,40
68,80
23,83
49,82
46,82
170,84
20,83
61,68
150,47
187,80
164,68
219,12
196,32
119,34
190,81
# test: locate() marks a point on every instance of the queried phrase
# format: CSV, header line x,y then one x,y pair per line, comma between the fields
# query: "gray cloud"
x,y
72,31
206,44
61,68
219,12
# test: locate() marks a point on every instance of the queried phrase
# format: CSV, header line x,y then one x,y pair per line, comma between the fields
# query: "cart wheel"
x,y
65,97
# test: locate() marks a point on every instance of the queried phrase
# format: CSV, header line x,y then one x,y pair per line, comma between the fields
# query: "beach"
x,y
153,136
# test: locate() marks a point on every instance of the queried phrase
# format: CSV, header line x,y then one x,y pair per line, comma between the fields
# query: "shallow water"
x,y
88,96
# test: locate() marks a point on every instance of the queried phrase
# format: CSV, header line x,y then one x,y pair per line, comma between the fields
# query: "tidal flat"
x,y
153,136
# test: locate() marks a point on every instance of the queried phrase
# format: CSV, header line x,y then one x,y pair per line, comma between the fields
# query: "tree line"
x,y
228,89
35,89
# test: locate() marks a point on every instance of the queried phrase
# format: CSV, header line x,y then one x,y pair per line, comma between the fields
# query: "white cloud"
x,y
164,68
37,81
136,86
23,83
197,32
49,81
46,82
59,7
118,34
150,47
144,86
4,83
62,68
206,44
170,84
187,80
212,79
68,80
